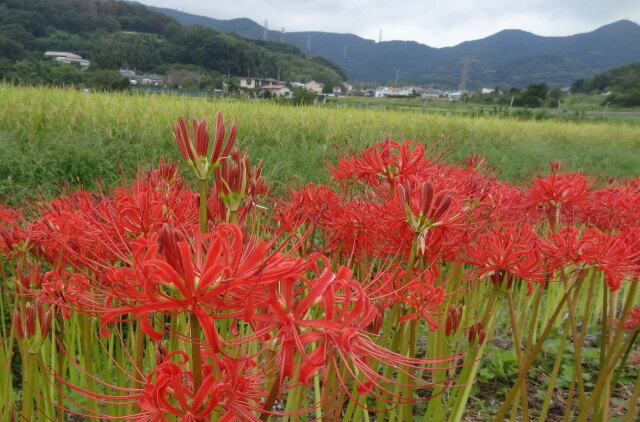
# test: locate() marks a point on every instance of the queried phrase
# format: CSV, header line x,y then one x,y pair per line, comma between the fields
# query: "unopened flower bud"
x,y
17,323
45,323
30,320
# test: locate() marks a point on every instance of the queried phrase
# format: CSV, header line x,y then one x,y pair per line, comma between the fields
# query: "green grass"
x,y
48,135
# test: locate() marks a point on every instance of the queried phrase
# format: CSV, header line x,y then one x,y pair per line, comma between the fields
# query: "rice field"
x,y
48,136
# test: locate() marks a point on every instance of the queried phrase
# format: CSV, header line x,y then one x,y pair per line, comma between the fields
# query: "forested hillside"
x,y
623,82
115,34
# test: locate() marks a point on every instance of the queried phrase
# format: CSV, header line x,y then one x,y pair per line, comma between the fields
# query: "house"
x,y
382,91
432,93
69,58
405,91
257,83
314,86
278,91
487,91
128,73
153,79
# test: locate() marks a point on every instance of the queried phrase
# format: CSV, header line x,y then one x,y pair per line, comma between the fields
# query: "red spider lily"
x,y
433,213
325,321
420,296
231,389
195,152
633,320
220,272
94,232
561,196
614,208
505,203
388,160
610,254
506,252
10,233
65,291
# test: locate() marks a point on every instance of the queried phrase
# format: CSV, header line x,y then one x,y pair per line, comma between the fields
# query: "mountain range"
x,y
507,58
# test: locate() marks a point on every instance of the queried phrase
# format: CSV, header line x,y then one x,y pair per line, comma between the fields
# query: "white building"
x,y
382,91
69,58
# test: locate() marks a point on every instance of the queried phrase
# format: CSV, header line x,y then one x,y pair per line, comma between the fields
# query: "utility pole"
x,y
397,76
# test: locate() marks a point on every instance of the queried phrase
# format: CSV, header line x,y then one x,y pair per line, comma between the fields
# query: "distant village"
x,y
283,89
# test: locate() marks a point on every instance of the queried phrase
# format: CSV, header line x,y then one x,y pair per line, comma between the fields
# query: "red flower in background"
x,y
505,252
390,161
561,196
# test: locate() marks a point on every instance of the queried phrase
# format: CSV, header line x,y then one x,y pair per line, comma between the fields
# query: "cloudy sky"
x,y
437,23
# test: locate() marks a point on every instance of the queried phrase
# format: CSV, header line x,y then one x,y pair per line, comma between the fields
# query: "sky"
x,y
437,23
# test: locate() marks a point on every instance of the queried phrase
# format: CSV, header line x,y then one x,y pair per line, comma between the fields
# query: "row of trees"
x,y
533,96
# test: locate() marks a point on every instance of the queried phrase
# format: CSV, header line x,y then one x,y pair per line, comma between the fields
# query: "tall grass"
x,y
51,135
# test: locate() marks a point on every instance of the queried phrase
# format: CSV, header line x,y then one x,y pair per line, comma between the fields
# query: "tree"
x,y
303,96
554,97
107,80
10,49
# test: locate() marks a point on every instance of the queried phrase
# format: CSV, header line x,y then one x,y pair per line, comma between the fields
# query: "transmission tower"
x,y
265,34
309,42
282,35
464,78
380,36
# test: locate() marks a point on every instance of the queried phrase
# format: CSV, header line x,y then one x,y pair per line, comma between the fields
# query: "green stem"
x,y
532,356
554,374
623,361
533,323
196,358
568,406
458,399
60,368
633,402
29,369
604,346
518,347
202,187
577,348
316,396
87,355
603,378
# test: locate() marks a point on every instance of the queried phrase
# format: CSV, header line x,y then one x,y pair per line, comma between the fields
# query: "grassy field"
x,y
49,135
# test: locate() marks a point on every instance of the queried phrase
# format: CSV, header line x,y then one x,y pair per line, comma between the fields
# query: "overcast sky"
x,y
437,23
